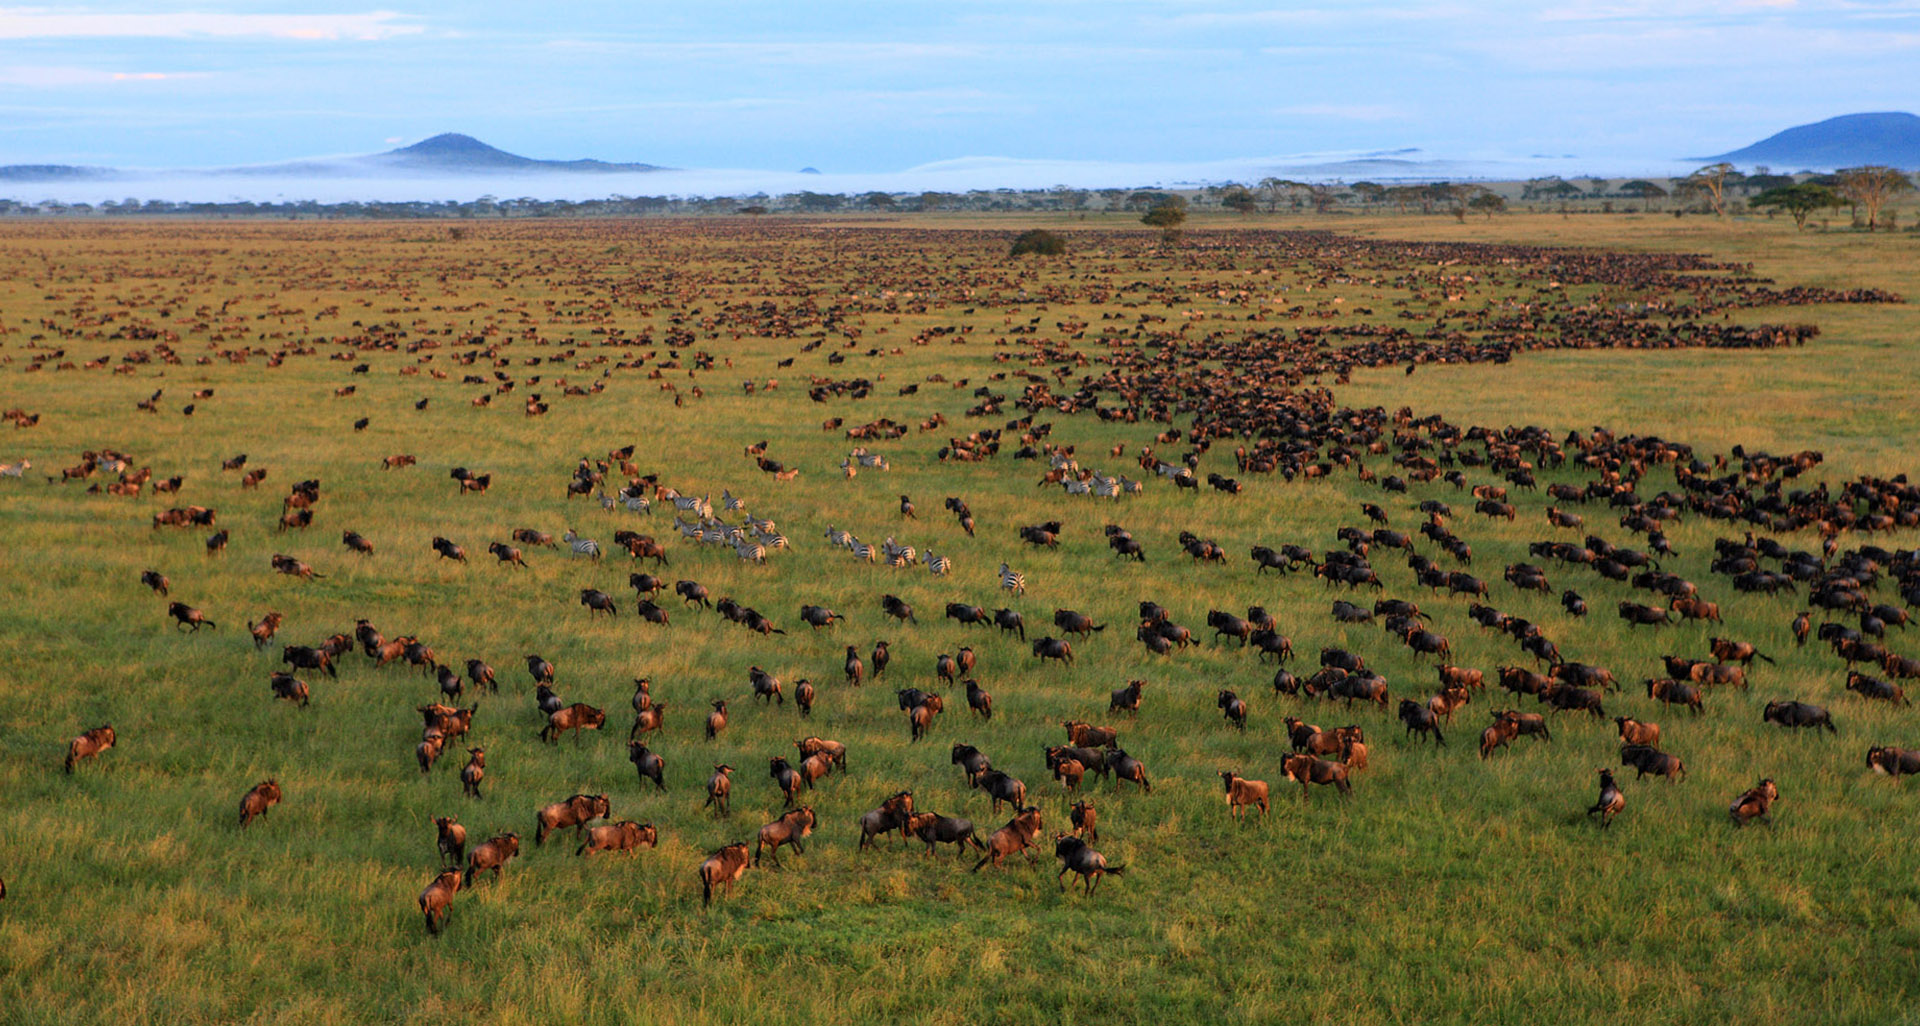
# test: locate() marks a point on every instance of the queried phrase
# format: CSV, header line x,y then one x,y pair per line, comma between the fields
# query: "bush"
x,y
1040,241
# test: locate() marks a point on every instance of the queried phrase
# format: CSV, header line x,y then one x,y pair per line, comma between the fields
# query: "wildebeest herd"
x,y
1191,423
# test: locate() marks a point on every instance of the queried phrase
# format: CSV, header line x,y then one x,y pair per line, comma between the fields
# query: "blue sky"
x,y
882,87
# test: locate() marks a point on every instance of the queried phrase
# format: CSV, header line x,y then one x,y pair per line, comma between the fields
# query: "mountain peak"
x,y
454,152
1891,138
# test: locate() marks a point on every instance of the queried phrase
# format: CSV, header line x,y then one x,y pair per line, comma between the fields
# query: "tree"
x,y
878,200
1238,199
1871,186
1488,203
1712,181
1167,216
1369,192
1644,191
1798,200
1040,242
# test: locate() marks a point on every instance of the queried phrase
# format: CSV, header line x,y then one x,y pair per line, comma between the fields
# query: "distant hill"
x,y
451,151
1850,140
447,154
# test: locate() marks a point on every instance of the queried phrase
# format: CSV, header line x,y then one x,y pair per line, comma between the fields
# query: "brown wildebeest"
x,y
289,688
508,554
896,813
187,616
575,812
89,744
1719,673
1461,677
1875,688
156,580
652,718
935,829
1893,762
1069,772
1084,736
625,835
1564,697
1233,707
264,631
970,760
1647,759
1635,732
978,700
648,763
1053,648
1420,719
436,902
1638,615
1444,703
452,840
1697,609
785,777
1002,787
766,686
1674,692
1085,819
255,803
920,717
814,767
1611,800
1755,803
1126,767
576,717
1127,699
717,719
1076,857
1016,836
473,772
1726,650
1797,714
1242,792
1306,769
1498,734
812,746
427,752
791,828
720,789
721,869
492,855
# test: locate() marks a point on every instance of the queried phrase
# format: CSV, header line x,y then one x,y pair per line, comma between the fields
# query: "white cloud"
x,y
48,23
34,76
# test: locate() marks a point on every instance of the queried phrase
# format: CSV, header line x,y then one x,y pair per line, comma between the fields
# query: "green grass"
x,y
1447,889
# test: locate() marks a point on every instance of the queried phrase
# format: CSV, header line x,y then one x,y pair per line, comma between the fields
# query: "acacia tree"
x,y
1871,186
1798,200
1167,215
1644,191
1488,203
1712,181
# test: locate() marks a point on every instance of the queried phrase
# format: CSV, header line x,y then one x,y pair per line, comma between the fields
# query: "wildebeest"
x,y
1010,622
89,745
1420,719
1875,688
576,812
721,869
717,719
893,814
1002,788
1126,767
289,688
971,761
1611,800
720,789
978,700
576,717
187,616
452,840
648,764
1306,769
1127,699
692,593
1564,697
436,902
1053,648
255,803
791,828
1637,614
1233,707
1755,803
1634,732
625,835
1726,650
966,614
766,686
1016,836
935,829
492,855
1647,759
1893,762
1674,692
1076,857
1242,792
1797,714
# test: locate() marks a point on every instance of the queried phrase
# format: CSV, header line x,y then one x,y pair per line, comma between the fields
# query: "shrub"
x,y
1040,241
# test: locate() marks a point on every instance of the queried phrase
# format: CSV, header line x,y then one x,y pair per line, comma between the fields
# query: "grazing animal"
x,y
436,902
1420,719
576,812
1233,707
1076,857
1797,714
978,700
1016,836
1306,769
1014,581
1755,803
255,803
1611,800
1053,648
1634,732
155,580
720,789
625,835
581,546
452,840
1893,762
1647,759
289,688
717,719
1242,792
790,829
935,829
492,855
896,813
576,717
721,869
89,745
187,616
473,772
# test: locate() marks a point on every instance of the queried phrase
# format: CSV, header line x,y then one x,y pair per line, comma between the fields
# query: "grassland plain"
x,y
1447,889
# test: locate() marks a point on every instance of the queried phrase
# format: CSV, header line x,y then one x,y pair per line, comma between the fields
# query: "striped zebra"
x,y
863,551
938,566
729,503
1105,487
581,546
699,507
714,535
750,552
902,552
1075,486
839,538
689,530
16,469
847,469
899,560
637,502
1013,580
607,502
762,525
773,540
1129,486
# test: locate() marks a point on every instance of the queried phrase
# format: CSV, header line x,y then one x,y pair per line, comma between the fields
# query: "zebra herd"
x,y
859,458
1077,481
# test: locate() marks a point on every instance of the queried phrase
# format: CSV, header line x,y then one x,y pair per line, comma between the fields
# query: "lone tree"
x,y
1038,241
1488,203
1644,191
1871,187
1167,215
1239,200
1798,200
1711,181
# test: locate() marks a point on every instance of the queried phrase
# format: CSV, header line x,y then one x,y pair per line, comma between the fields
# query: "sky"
x,y
868,87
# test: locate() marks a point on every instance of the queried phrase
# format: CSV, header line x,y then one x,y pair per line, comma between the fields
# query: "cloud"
x,y
1346,111
47,23
35,76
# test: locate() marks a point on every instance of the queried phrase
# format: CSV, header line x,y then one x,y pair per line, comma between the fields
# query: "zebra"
x,y
16,469
607,502
903,552
863,551
1075,486
761,524
1105,487
582,546
699,507
1013,580
750,552
1130,487
938,566
839,538
773,540
715,535
847,469
637,502
729,503
688,530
